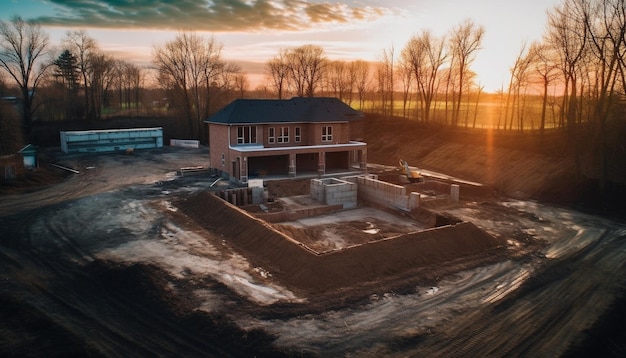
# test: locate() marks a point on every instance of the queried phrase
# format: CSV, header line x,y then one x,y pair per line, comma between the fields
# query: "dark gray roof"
x,y
295,110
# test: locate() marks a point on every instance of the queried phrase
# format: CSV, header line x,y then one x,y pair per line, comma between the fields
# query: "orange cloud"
x,y
211,16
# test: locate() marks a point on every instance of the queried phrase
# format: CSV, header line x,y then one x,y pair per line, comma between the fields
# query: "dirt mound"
x,y
295,266
291,187
519,165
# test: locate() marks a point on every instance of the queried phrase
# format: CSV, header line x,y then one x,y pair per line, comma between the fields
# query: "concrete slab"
x,y
349,227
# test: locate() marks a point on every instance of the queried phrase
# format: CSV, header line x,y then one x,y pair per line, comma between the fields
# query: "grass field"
x,y
490,112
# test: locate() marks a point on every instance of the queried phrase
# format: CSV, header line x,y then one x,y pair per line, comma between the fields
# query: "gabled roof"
x,y
295,110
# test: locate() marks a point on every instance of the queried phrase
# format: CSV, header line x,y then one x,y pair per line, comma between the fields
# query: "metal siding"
x,y
111,140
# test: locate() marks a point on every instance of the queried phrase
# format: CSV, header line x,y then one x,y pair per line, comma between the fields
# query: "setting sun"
x,y
252,32
291,178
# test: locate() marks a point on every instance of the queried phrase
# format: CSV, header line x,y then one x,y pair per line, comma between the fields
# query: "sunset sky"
x,y
253,31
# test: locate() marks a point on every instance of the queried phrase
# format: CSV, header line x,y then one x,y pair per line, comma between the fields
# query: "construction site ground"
x,y
128,258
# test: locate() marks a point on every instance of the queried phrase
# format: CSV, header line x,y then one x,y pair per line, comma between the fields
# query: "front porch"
x,y
253,162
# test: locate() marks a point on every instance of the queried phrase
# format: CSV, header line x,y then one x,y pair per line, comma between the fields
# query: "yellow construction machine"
x,y
414,176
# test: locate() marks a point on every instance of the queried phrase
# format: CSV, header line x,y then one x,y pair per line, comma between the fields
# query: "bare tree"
x,y
464,42
218,77
277,69
23,55
605,22
480,90
226,85
351,80
405,74
519,80
451,80
128,80
425,54
100,76
84,47
361,73
307,65
337,78
386,80
546,72
241,84
189,66
10,128
567,35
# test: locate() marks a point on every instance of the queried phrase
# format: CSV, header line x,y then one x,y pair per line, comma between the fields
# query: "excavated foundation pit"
x,y
327,228
323,247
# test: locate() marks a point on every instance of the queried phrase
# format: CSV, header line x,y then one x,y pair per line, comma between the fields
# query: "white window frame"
x,y
246,135
283,135
327,133
271,135
297,134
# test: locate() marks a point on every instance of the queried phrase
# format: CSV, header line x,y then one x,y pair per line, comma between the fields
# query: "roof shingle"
x,y
295,110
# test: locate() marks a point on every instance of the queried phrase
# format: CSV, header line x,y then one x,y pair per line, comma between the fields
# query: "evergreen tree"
x,y
67,74
67,70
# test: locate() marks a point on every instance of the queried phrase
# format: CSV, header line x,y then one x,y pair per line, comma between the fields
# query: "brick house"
x,y
254,138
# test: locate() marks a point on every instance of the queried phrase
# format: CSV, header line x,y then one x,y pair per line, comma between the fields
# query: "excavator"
x,y
414,176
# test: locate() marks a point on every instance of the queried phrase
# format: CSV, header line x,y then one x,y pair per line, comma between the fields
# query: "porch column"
x,y
321,163
292,164
363,159
244,170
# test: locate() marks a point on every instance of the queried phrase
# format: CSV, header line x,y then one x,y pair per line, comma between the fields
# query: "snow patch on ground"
x,y
188,255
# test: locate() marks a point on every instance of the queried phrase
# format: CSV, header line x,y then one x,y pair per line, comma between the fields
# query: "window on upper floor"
x,y
271,135
246,135
297,135
327,134
283,135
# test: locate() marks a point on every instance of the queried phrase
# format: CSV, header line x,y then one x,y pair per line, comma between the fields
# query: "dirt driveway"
x,y
103,264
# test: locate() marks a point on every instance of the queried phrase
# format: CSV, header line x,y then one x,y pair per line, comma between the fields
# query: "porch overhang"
x,y
252,150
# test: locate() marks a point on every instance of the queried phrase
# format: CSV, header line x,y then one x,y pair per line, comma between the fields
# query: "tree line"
x,y
187,79
571,80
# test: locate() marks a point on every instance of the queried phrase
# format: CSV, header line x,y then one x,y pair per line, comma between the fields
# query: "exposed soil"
x,y
126,259
522,166
374,263
36,179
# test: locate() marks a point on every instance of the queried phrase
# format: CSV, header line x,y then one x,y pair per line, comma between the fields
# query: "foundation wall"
x,y
296,265
433,188
387,194
294,215
242,196
332,191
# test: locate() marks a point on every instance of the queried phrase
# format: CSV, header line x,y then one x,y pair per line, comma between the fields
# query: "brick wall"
x,y
218,144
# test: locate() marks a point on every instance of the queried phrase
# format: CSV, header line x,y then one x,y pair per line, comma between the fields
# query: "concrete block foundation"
x,y
333,191
387,194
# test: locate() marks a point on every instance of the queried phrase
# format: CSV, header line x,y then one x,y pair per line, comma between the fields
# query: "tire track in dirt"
x,y
108,307
118,308
549,312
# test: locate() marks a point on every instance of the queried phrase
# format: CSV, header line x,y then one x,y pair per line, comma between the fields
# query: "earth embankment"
x,y
525,165
374,262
